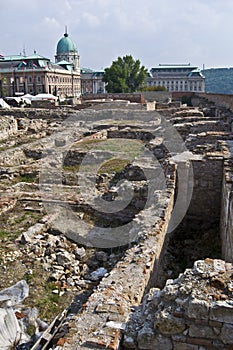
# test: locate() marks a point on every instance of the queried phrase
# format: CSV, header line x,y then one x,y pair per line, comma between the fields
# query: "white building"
x,y
91,82
178,77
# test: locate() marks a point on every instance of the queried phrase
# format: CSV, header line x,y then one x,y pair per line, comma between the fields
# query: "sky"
x,y
155,32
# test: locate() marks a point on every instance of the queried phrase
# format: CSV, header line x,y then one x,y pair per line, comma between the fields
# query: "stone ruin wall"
x,y
192,312
189,323
219,100
205,206
226,223
174,317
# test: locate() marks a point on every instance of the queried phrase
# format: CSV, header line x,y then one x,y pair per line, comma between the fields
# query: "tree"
x,y
154,88
125,75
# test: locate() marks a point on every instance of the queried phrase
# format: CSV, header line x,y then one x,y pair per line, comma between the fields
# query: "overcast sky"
x,y
166,31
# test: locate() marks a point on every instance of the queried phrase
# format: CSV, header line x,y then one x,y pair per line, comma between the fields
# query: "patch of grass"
x,y
31,329
9,235
110,166
29,277
129,146
50,304
113,166
27,178
121,153
72,168
28,216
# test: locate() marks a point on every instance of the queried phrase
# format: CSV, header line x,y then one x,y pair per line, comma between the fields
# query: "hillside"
x,y
219,80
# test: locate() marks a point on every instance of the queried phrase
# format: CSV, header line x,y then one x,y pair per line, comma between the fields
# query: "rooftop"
x,y
175,66
66,45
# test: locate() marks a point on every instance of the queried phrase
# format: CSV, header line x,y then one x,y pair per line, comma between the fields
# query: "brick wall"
x,y
205,206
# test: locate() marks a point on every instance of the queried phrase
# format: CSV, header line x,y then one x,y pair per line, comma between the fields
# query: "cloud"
x,y
91,19
196,31
53,22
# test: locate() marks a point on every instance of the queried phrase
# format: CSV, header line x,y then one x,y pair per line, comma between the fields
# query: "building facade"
x,y
91,82
179,77
20,74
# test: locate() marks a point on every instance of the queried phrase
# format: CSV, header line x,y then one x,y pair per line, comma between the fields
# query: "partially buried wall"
x,y
205,207
226,227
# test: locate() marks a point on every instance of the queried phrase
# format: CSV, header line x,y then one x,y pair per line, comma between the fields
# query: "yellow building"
x,y
20,74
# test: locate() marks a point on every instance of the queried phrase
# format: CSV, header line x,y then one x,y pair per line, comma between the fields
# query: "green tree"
x,y
154,88
125,75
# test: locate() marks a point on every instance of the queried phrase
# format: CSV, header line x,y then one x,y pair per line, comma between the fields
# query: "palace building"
x,y
34,74
177,77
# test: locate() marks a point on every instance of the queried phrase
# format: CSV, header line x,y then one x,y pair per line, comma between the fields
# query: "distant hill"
x,y
219,80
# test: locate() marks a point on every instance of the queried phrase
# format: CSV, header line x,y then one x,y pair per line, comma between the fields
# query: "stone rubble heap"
x,y
68,264
192,312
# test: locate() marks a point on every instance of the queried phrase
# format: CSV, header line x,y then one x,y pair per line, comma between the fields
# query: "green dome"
x,y
66,45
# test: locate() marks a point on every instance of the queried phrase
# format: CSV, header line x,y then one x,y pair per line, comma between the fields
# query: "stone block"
x,y
201,331
227,334
215,324
217,344
149,340
198,309
202,322
168,324
179,338
199,341
183,346
129,342
221,312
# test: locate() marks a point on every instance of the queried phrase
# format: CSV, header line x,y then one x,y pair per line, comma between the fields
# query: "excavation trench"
x,y
145,262
198,236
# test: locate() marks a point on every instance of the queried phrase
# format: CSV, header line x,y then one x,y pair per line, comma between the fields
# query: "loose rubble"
x,y
89,288
195,308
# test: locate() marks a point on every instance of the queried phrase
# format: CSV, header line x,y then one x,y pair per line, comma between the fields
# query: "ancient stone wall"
x,y
220,100
205,206
108,308
226,225
8,127
158,96
134,97
192,312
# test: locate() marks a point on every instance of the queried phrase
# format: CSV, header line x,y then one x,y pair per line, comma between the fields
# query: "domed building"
x,y
67,52
36,74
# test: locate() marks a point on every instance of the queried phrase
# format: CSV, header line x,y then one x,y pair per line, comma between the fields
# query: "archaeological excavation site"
x,y
116,227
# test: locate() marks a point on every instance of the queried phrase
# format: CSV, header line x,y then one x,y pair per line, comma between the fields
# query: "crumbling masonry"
x,y
122,294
